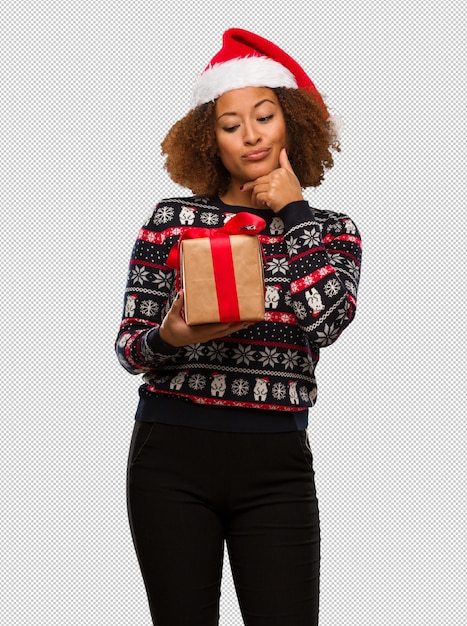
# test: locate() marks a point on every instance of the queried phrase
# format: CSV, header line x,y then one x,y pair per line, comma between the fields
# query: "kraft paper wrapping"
x,y
199,285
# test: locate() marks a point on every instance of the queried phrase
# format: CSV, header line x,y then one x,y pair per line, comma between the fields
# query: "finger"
x,y
177,304
222,329
259,195
284,160
250,184
233,328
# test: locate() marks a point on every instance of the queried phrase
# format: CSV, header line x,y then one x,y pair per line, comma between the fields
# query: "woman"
x,y
220,451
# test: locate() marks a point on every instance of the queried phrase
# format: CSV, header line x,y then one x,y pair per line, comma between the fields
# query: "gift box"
x,y
221,272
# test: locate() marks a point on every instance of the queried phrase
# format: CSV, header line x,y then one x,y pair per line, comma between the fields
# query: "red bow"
x,y
240,224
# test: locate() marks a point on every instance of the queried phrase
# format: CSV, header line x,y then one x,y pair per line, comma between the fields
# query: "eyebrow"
x,y
255,107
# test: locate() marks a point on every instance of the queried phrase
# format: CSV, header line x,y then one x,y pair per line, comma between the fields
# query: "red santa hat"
x,y
248,60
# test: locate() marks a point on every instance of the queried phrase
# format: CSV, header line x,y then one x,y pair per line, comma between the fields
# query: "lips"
x,y
256,155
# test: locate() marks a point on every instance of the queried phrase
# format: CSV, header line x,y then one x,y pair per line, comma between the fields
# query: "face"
x,y
250,132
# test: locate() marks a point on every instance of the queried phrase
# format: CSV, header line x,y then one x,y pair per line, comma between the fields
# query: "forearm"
x,y
324,265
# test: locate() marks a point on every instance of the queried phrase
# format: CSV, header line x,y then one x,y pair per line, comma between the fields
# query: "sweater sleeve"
x,y
324,256
149,293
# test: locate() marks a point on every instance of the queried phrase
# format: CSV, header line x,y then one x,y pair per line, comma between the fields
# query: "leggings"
x,y
191,490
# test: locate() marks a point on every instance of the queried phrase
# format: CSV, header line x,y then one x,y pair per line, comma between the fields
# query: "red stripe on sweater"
x,y
267,239
307,252
148,264
351,238
127,321
233,403
345,253
281,318
156,237
304,283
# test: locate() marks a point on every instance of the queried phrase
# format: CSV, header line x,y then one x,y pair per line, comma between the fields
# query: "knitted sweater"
x,y
312,266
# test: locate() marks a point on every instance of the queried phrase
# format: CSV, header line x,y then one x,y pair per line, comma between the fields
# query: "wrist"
x,y
288,202
165,337
157,344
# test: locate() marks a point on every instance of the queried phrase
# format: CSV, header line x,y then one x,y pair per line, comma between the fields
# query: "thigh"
x,y
177,535
274,538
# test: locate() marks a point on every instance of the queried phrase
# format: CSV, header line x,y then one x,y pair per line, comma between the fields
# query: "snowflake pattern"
x,y
197,382
163,215
311,238
194,351
216,352
211,219
336,259
240,387
243,354
149,308
342,313
279,391
307,365
337,227
139,274
290,359
293,246
327,336
269,357
332,287
350,287
353,268
299,310
278,266
303,393
163,279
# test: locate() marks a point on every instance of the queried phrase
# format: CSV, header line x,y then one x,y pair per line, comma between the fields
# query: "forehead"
x,y
244,98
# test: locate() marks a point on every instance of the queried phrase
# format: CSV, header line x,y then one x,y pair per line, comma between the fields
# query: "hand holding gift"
x,y
175,331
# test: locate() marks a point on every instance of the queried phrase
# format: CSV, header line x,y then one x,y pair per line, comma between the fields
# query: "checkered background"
x,y
89,90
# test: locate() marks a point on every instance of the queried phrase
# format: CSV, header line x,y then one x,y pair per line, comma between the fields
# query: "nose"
x,y
251,136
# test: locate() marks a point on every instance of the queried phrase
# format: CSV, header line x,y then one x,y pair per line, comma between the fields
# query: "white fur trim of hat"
x,y
237,73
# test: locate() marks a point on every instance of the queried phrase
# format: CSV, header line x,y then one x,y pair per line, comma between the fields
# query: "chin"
x,y
262,169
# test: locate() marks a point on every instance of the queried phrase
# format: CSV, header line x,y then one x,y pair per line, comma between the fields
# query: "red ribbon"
x,y
224,273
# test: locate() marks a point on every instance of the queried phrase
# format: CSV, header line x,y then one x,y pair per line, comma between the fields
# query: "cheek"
x,y
220,144
224,150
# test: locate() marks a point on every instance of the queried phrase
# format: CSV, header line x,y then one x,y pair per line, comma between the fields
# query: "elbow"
x,y
123,355
329,332
131,369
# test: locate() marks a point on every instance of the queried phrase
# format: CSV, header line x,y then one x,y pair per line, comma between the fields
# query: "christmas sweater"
x,y
311,268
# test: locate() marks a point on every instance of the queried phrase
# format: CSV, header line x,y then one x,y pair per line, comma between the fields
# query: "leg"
x,y
273,536
178,537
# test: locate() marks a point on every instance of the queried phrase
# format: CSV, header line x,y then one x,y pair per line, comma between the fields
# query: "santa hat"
x,y
248,60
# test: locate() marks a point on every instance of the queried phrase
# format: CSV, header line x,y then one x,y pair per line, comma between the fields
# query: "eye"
x,y
230,129
266,118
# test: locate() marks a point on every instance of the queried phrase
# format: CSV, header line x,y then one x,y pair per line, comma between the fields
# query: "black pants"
x,y
189,490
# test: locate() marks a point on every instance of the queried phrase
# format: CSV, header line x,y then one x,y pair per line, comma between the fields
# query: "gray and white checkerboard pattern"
x,y
88,92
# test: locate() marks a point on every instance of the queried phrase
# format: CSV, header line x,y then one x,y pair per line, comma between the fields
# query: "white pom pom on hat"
x,y
248,60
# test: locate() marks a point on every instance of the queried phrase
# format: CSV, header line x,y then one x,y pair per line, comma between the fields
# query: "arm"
x,y
324,264
324,255
153,329
149,291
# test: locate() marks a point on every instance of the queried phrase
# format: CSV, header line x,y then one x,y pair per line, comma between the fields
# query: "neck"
x,y
235,197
